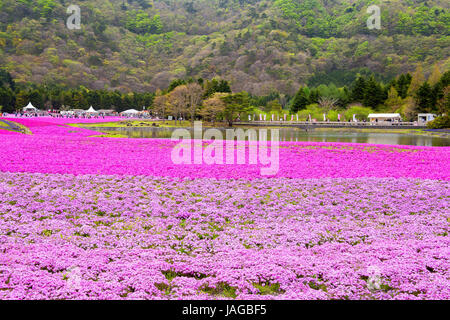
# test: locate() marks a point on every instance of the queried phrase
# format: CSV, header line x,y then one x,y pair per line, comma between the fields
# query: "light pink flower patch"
x,y
123,237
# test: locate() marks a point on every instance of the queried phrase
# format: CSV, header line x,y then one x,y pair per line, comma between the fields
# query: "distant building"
x,y
385,117
424,118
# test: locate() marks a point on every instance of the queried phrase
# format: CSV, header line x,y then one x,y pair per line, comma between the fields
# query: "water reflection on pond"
x,y
296,134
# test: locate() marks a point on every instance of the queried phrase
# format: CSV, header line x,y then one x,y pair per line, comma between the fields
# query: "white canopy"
x,y
91,110
131,111
385,115
29,107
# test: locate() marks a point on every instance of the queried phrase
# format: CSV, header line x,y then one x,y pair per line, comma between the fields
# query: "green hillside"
x,y
260,46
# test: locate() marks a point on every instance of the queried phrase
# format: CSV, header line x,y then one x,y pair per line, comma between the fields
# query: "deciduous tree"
x,y
213,107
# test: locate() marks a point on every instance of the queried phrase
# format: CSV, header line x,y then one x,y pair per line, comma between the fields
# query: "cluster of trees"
x,y
213,100
262,46
141,23
14,98
187,98
314,17
407,94
210,100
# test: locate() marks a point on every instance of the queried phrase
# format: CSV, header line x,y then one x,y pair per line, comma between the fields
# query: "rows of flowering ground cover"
x,y
84,155
142,237
55,147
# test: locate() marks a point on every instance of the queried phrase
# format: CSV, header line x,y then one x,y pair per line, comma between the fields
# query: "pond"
x,y
297,134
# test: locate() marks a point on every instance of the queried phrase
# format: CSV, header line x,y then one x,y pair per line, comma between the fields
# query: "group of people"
x,y
71,115
21,114
78,115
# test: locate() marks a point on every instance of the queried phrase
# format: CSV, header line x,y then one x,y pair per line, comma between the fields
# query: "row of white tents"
x,y
374,117
91,110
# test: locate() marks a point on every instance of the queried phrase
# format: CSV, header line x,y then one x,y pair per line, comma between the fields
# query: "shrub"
x,y
314,110
333,114
360,111
442,122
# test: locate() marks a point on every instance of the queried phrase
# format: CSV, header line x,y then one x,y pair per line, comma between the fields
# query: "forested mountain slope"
x,y
259,45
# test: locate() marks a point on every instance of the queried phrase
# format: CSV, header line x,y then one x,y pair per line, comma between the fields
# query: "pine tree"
x,y
424,98
224,86
300,101
314,96
402,85
215,85
443,104
236,105
373,95
344,97
7,100
6,80
445,79
358,90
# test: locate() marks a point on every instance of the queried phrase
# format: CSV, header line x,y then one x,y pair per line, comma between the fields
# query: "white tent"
x,y
91,110
29,107
131,111
384,117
